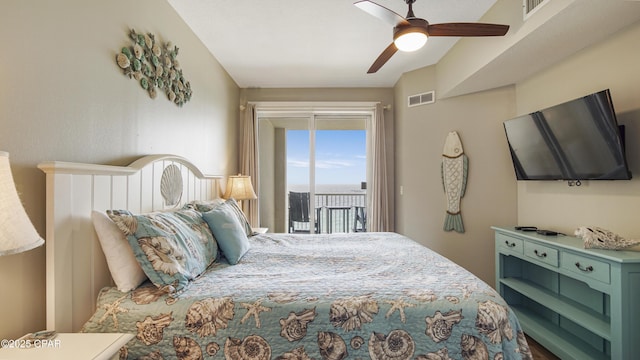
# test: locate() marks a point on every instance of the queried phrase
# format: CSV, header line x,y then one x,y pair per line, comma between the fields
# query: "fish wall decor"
x,y
454,171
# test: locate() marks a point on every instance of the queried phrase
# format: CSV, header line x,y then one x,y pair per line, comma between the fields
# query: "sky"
x,y
340,156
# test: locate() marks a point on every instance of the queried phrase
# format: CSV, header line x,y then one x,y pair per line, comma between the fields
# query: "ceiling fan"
x,y
411,33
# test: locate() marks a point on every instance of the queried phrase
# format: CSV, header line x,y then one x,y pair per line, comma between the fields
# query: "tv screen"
x,y
576,140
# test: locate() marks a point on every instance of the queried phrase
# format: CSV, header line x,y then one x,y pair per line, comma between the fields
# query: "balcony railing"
x,y
338,212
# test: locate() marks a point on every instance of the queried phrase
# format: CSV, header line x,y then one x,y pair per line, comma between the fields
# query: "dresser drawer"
x,y
594,269
510,243
541,253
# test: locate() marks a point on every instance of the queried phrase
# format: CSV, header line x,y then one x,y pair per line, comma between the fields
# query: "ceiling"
x,y
332,43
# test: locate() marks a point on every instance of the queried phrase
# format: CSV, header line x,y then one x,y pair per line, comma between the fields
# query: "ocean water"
x,y
329,188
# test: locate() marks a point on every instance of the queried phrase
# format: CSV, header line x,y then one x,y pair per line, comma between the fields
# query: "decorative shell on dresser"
x,y
155,66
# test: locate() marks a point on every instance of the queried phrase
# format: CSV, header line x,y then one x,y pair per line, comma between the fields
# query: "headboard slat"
x,y
76,266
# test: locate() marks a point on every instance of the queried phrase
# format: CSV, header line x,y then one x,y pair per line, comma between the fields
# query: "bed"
x,y
287,296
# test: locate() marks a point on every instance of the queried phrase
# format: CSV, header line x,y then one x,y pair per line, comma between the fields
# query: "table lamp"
x,y
239,188
17,233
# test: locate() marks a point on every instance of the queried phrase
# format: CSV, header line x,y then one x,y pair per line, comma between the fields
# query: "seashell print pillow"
x,y
172,248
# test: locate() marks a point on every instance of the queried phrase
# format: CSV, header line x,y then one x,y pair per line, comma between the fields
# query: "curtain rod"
x,y
310,106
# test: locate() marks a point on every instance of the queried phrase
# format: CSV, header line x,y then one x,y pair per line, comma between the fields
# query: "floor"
x,y
539,352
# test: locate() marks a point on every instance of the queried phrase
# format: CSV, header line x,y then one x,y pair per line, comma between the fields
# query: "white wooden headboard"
x,y
76,267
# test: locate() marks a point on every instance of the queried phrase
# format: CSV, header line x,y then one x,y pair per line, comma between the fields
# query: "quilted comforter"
x,y
364,295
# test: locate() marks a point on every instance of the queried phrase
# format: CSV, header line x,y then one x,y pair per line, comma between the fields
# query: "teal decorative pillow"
x,y
242,219
172,248
228,231
206,206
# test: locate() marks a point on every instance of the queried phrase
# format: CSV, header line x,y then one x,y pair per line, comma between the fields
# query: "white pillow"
x,y
125,269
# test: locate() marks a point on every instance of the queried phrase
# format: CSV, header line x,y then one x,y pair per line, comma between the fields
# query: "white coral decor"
x,y
598,238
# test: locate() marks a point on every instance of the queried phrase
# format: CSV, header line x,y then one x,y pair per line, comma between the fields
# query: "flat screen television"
x,y
576,140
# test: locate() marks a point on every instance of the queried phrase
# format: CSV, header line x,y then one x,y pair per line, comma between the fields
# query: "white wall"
x,y
62,97
613,64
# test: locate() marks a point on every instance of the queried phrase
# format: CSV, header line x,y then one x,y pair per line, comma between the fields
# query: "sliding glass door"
x,y
313,172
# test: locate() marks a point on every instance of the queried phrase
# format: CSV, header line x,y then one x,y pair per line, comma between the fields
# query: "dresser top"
x,y
572,243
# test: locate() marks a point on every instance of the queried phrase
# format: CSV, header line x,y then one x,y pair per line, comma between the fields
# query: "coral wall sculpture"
x,y
155,66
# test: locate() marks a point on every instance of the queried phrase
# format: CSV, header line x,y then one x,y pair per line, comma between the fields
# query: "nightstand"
x,y
260,230
94,346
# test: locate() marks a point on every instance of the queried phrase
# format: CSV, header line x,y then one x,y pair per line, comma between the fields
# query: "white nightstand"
x,y
68,346
260,230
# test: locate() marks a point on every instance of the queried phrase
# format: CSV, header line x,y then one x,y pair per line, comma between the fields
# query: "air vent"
x,y
422,99
530,6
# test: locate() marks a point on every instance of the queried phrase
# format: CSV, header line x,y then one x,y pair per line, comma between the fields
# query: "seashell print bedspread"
x,y
364,295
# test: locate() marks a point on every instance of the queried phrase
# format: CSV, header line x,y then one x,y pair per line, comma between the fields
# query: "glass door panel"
x,y
301,204
340,172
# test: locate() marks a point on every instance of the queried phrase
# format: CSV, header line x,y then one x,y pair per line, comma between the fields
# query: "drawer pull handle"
x,y
509,244
542,255
585,269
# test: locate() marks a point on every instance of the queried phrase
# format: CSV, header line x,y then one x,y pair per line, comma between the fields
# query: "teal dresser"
x,y
578,303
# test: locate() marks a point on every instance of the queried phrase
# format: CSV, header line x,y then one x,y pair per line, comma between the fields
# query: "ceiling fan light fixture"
x,y
409,38
411,33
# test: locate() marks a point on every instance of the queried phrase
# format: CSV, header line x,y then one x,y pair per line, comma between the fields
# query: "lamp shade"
x,y
239,187
17,233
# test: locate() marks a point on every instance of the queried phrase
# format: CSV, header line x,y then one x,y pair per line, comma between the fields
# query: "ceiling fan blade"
x,y
381,12
467,29
383,58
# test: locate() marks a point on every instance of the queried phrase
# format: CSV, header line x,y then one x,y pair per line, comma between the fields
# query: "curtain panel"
x,y
378,219
248,143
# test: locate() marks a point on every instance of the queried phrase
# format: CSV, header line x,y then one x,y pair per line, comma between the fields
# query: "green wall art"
x,y
155,66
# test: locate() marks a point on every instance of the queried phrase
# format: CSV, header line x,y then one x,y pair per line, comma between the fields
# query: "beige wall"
x,y
613,64
267,160
490,197
493,196
62,97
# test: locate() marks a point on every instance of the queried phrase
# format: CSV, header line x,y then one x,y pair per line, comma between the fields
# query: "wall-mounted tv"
x,y
576,140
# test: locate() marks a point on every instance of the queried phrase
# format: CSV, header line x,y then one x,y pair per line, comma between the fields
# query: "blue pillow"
x,y
204,206
172,248
228,231
242,218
